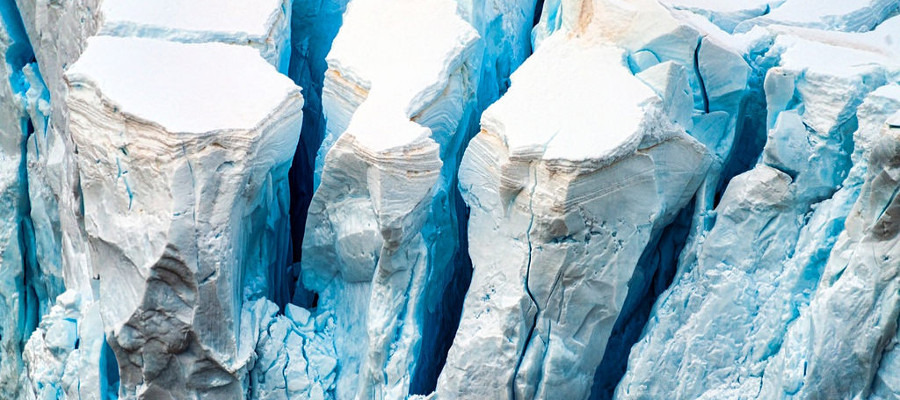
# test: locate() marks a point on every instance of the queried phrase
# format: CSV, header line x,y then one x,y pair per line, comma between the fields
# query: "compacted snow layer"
x,y
263,25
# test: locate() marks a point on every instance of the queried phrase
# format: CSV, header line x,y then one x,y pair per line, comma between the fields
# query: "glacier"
x,y
450,199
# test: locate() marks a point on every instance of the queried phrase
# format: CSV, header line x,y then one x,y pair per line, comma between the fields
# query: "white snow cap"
x,y
184,87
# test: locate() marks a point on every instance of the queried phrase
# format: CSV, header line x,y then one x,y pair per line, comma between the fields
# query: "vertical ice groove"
x,y
27,290
532,187
313,28
57,32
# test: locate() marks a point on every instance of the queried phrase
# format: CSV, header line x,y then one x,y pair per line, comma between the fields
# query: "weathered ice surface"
x,y
886,382
177,177
833,349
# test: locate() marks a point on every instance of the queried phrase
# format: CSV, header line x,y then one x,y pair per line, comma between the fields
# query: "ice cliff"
x,y
450,199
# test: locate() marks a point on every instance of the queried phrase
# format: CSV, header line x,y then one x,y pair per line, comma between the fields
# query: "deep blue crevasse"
x,y
654,273
18,55
313,29
658,264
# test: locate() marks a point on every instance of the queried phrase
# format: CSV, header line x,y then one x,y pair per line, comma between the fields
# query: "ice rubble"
x,y
147,188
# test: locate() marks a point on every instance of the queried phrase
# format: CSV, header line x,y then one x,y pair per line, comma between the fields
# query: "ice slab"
x,y
725,14
263,25
838,15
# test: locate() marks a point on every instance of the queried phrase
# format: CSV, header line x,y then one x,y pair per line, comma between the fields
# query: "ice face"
x,y
162,171
510,199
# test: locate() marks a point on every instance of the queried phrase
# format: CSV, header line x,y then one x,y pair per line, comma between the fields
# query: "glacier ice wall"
x,y
515,199
262,244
